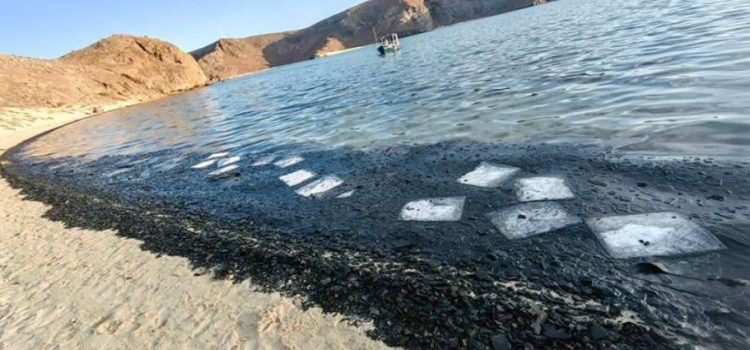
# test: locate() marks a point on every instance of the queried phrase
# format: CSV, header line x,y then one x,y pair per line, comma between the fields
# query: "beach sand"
x,y
71,288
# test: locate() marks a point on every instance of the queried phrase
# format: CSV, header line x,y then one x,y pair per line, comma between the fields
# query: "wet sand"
x,y
79,289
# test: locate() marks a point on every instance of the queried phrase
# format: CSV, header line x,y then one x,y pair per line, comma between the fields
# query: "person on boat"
x,y
383,45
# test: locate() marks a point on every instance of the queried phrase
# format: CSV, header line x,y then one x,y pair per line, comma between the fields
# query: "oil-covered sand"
x,y
74,288
435,284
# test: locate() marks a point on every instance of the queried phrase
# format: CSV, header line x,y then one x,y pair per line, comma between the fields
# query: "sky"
x,y
51,28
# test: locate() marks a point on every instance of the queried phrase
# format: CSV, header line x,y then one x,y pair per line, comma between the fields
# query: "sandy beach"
x,y
68,288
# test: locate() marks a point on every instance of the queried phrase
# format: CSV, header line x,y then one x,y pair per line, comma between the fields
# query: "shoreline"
x,y
82,288
396,283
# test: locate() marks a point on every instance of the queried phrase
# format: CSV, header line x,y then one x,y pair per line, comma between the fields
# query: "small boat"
x,y
389,44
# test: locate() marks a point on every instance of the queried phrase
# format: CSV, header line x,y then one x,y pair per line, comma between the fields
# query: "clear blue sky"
x,y
51,28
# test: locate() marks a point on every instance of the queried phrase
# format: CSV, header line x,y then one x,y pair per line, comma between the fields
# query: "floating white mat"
x,y
320,186
488,175
346,194
529,219
653,234
297,177
289,161
434,209
542,188
263,161
204,164
228,161
218,155
224,171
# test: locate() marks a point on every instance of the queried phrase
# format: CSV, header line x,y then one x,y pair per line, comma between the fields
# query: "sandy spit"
x,y
68,288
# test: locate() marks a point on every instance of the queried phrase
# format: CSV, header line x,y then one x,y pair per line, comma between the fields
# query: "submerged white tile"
x,y
297,177
543,188
204,164
488,175
227,161
263,161
346,194
528,219
434,209
225,170
218,155
289,161
320,186
653,234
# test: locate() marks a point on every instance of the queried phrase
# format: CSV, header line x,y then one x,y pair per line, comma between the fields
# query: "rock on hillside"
x,y
445,12
114,69
351,28
231,57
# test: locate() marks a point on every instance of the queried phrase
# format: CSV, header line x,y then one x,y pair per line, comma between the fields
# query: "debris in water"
x,y
297,177
434,209
667,233
528,219
542,188
488,175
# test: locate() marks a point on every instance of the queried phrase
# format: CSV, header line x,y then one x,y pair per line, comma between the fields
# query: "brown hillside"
x,y
351,28
114,69
231,57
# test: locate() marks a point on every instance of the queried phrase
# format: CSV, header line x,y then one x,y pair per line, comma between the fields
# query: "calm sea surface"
x,y
666,77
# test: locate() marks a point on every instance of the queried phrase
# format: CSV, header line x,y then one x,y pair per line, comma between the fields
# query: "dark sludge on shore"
x,y
432,285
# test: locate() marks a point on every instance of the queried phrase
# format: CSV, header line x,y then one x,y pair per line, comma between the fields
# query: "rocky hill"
x,y
231,57
114,69
353,27
124,67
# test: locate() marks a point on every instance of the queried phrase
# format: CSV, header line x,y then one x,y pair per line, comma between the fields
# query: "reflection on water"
x,y
664,77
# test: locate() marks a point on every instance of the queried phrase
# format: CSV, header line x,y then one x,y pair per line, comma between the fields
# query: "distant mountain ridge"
x,y
354,27
131,68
